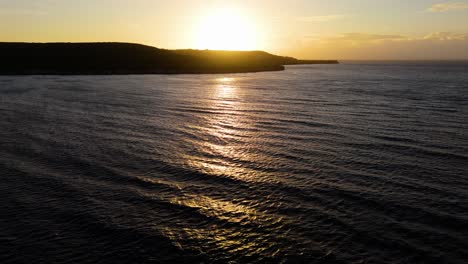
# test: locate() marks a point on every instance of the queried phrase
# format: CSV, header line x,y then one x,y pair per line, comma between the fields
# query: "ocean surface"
x,y
350,163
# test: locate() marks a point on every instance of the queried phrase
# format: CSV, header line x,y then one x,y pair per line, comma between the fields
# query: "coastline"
x,y
144,72
129,59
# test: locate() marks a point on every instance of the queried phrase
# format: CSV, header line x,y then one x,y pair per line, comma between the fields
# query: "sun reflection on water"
x,y
220,234
225,88
224,146
221,130
229,136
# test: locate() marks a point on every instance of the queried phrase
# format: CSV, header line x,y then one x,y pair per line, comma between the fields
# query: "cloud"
x,y
444,7
445,36
437,45
315,19
363,38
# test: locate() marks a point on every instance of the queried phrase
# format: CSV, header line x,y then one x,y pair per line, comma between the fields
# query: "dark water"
x,y
317,164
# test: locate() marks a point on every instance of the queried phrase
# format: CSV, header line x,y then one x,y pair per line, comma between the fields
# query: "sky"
x,y
309,29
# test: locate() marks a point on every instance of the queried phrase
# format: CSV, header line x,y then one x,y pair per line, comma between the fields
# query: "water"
x,y
352,163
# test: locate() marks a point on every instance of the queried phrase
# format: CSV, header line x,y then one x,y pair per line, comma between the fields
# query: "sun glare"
x,y
226,29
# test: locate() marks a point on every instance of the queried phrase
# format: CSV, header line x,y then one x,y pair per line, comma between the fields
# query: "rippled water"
x,y
327,163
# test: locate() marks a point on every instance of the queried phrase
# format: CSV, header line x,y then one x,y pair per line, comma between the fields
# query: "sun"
x,y
226,29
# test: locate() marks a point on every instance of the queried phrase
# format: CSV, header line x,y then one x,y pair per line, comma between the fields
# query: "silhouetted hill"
x,y
127,58
260,57
241,57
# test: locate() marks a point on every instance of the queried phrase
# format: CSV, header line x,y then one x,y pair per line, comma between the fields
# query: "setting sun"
x,y
226,29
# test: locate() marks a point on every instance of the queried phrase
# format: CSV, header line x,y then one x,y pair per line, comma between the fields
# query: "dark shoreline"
x,y
85,73
128,58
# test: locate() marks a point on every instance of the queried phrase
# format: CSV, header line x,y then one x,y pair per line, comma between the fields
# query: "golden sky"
x,y
311,29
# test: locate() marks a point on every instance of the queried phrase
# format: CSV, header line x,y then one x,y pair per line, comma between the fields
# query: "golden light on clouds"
x,y
444,7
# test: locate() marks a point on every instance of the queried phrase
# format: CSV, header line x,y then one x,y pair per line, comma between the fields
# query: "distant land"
x,y
129,58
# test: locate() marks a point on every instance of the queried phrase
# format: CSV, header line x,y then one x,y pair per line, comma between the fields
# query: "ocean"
x,y
360,162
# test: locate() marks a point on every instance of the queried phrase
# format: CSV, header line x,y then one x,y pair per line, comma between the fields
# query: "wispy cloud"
x,y
326,18
363,38
449,6
446,36
437,45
